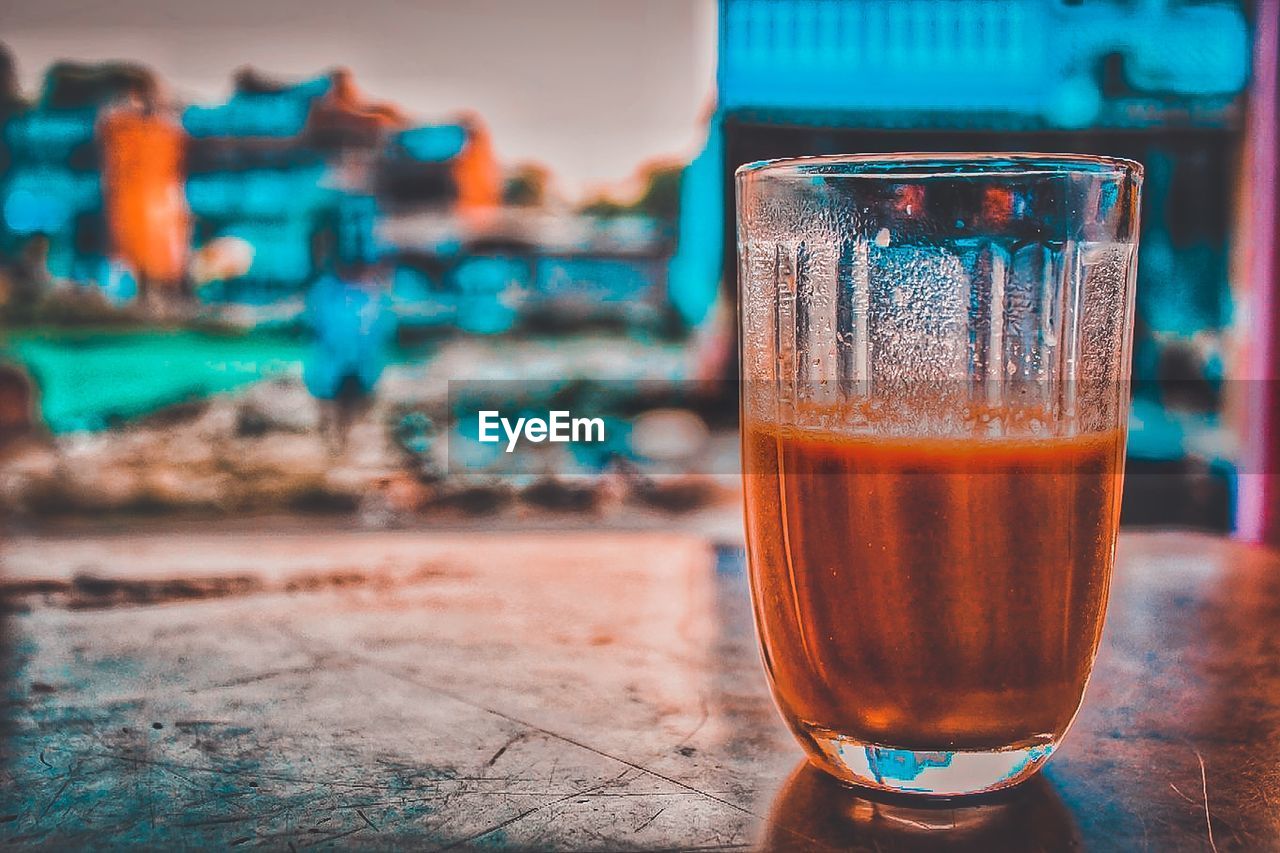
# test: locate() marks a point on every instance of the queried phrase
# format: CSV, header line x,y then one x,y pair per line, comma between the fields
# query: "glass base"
x,y
941,773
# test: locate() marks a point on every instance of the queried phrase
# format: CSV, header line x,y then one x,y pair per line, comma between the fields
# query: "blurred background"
x,y
244,250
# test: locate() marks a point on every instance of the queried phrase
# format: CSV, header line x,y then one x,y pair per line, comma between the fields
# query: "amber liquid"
x,y
930,594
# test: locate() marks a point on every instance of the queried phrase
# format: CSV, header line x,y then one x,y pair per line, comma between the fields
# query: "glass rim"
x,y
920,165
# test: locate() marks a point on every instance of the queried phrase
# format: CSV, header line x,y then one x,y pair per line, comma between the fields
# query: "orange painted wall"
x,y
143,194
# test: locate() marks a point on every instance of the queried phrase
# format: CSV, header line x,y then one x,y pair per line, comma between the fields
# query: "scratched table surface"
x,y
592,691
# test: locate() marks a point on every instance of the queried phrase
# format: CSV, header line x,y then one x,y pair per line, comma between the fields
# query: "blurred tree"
x,y
604,206
528,186
10,104
80,85
659,198
10,92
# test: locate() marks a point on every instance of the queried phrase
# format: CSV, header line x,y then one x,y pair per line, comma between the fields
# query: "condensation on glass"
x,y
935,355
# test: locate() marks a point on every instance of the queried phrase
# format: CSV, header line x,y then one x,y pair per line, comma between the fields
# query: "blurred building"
x,y
434,165
550,269
483,265
143,153
1157,81
53,197
103,187
281,169
246,201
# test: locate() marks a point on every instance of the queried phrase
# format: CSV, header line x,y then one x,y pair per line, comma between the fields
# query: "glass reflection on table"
x,y
815,812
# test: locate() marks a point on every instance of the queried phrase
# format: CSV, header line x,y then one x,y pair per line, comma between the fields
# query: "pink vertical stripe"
x,y
1258,506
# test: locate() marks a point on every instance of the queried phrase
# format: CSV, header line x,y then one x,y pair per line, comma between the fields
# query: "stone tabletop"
x,y
556,690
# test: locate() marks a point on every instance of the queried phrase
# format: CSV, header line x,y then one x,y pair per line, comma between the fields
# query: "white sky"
x,y
589,87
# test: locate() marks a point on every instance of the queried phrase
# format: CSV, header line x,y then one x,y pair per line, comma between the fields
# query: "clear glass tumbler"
x,y
935,361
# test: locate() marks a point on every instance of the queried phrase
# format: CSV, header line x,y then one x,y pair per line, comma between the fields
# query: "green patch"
x,y
92,380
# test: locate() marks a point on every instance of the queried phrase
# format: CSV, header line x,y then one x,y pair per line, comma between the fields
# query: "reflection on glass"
x,y
814,811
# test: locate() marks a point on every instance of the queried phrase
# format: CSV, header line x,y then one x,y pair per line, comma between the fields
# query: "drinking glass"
x,y
935,358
